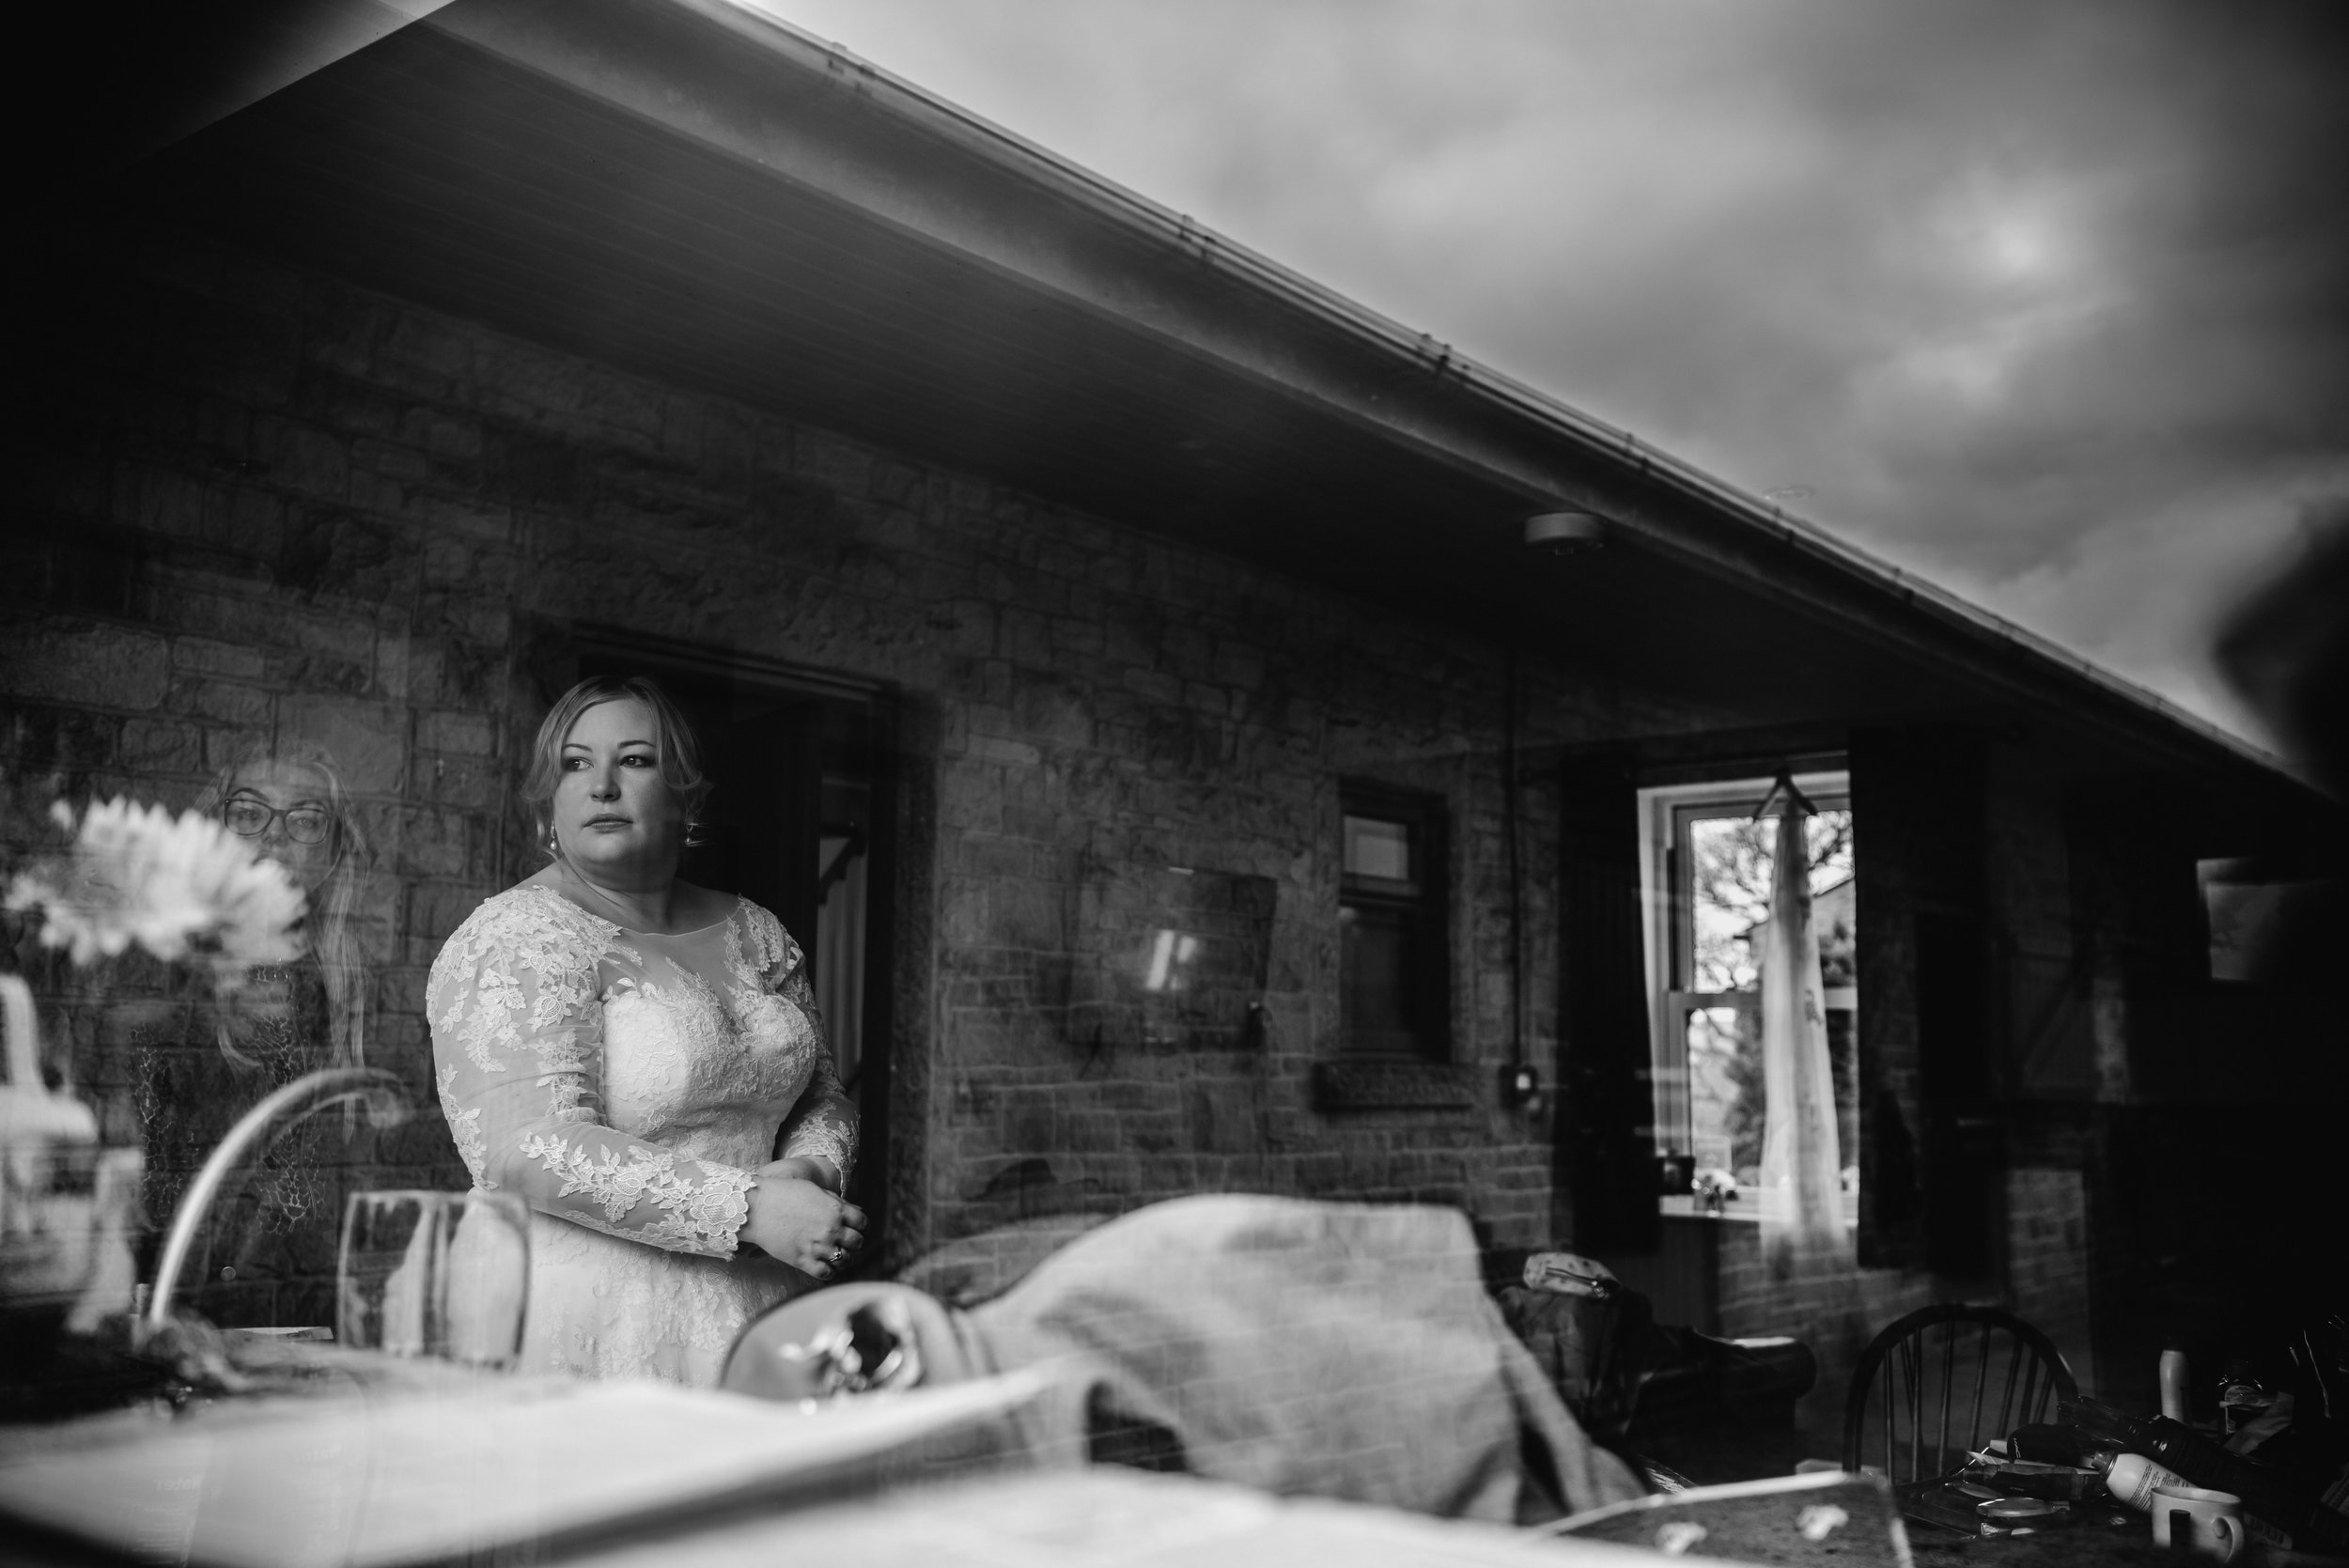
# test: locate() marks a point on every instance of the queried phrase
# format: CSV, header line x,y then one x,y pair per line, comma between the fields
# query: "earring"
x,y
694,837
552,847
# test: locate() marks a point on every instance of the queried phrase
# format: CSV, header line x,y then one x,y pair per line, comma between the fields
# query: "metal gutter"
x,y
1178,232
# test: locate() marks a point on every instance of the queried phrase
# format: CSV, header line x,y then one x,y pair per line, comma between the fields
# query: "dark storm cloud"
x,y
2046,301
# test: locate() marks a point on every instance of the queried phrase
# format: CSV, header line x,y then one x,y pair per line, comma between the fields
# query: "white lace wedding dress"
x,y
628,1086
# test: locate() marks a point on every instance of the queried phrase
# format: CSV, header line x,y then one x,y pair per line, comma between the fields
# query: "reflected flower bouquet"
x,y
181,889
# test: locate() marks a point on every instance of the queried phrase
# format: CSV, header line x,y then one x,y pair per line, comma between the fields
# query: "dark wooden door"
x,y
1607,1111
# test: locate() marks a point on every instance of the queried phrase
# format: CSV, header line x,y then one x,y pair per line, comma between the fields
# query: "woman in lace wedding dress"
x,y
622,1049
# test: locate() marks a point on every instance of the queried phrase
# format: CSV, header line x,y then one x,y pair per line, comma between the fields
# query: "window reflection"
x,y
1394,939
1171,955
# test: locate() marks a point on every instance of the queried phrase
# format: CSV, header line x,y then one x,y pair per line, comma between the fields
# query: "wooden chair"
x,y
1940,1366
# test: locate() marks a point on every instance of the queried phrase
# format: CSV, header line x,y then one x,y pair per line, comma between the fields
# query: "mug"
x,y
2196,1517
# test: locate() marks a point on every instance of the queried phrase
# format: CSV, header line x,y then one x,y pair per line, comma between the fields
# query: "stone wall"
x,y
258,500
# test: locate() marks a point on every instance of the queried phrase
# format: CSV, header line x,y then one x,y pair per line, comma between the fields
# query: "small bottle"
x,y
2133,1477
2174,1380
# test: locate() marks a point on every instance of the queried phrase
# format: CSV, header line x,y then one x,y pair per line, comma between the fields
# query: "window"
x,y
1705,882
1393,941
2248,907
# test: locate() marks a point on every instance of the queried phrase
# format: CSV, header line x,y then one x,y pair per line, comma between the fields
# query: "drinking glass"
x,y
442,1274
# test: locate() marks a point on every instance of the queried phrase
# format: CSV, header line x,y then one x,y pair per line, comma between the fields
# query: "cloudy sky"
x,y
2043,300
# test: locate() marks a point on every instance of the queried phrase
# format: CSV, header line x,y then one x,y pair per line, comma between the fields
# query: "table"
x,y
2076,1547
358,1460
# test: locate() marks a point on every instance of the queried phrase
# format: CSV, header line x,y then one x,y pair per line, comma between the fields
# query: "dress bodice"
x,y
697,1055
631,1083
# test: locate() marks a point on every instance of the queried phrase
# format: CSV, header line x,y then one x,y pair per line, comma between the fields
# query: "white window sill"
x,y
1747,1205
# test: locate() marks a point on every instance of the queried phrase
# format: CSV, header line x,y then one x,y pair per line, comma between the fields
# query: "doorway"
x,y
795,822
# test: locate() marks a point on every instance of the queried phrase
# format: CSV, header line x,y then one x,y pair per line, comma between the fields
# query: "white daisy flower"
x,y
184,889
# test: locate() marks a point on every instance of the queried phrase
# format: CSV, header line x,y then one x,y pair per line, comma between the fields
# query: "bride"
x,y
620,1048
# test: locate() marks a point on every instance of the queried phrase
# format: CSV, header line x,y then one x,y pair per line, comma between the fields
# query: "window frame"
x,y
1426,900
1669,918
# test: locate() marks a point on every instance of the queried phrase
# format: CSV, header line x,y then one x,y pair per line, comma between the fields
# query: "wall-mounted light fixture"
x,y
1568,532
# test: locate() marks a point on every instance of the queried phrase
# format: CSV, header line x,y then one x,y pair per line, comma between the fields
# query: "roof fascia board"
x,y
1063,230
1407,386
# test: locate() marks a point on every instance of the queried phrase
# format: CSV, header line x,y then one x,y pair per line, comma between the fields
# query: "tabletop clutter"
x,y
2100,1465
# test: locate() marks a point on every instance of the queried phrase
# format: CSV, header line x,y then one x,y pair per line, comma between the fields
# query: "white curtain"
x,y
1802,1208
839,979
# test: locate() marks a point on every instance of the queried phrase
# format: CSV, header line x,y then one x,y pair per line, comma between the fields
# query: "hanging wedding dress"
x,y
628,1086
1802,1212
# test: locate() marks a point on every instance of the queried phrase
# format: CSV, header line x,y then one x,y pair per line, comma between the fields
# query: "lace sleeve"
x,y
823,1125
518,1051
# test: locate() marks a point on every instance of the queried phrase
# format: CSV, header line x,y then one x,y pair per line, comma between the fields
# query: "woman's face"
x,y
614,814
284,810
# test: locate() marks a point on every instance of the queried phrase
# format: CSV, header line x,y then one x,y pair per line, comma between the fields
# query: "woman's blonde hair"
x,y
673,738
328,918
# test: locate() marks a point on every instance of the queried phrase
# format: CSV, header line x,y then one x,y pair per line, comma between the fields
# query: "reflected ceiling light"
x,y
1564,533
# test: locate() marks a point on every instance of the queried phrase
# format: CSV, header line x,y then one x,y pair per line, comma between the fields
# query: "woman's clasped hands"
x,y
796,1219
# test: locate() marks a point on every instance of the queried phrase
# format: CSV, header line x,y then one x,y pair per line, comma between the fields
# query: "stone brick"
x,y
161,745
449,562
1024,638
1075,637
301,457
728,450
223,702
367,740
843,467
1153,685
378,493
436,908
86,662
1237,663
427,842
427,342
470,733
984,856
1015,754
897,483
174,505
391,459
623,410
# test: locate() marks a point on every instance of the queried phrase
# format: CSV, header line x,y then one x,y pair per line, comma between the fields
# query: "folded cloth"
x,y
1332,1350
1570,1274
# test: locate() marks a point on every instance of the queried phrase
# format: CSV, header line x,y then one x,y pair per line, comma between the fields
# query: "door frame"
x,y
883,962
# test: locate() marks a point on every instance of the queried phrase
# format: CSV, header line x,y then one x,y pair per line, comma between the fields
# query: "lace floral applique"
x,y
465,1126
819,1136
496,999
696,1216
536,934
630,1101
771,951
687,978
781,973
694,1006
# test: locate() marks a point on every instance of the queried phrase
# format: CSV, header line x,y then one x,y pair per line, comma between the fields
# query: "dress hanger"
x,y
1784,785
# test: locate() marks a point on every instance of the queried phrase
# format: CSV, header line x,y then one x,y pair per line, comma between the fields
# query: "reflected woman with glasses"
x,y
273,1254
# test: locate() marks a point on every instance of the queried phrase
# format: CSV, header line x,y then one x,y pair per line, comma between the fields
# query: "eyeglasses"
x,y
251,818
